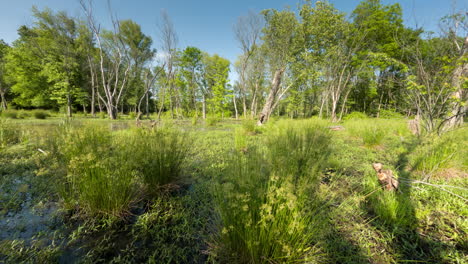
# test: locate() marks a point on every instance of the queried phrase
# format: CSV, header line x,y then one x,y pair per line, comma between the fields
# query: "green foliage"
x,y
194,120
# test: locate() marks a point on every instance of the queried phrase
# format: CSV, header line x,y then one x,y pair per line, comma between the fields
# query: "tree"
x,y
191,64
247,32
114,60
456,25
169,49
215,74
3,85
279,36
56,37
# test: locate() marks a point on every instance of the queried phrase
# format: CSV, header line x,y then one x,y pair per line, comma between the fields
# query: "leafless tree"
x,y
247,31
114,63
169,49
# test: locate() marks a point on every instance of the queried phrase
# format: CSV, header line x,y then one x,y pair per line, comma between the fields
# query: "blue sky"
x,y
206,24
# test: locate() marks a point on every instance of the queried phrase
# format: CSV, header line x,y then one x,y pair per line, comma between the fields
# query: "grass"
x,y
105,168
159,155
39,114
290,191
10,134
438,153
263,197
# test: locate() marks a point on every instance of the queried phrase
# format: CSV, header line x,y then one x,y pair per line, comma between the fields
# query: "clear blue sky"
x,y
206,24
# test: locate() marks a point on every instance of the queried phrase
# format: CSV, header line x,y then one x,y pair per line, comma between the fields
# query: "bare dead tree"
x,y
114,64
247,31
169,48
150,78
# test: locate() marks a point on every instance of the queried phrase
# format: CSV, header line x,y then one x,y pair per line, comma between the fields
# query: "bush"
x,y
132,115
355,115
12,114
39,114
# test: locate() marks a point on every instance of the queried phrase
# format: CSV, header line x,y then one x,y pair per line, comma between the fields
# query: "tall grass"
x,y
9,133
263,198
436,153
99,179
159,155
11,114
105,170
371,131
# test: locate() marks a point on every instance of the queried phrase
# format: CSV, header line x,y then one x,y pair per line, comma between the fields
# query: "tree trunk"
x,y
147,105
69,106
204,106
93,101
235,106
268,107
458,107
4,102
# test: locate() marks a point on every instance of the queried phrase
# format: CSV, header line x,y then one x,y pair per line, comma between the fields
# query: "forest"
x,y
333,138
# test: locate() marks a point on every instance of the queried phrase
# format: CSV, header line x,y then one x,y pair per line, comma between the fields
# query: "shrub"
x,y
132,115
39,114
355,115
12,114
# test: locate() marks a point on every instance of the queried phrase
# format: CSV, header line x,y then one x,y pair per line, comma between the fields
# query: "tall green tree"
x,y
279,42
3,84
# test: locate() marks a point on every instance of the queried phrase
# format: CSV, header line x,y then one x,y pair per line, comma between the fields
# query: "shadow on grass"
x,y
407,242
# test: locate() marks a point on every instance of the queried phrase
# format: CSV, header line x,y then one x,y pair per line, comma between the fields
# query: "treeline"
x,y
316,61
